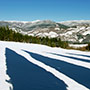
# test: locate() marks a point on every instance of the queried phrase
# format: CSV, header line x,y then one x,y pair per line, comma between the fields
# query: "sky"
x,y
56,10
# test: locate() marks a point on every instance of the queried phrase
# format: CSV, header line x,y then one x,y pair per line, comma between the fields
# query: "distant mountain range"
x,y
72,31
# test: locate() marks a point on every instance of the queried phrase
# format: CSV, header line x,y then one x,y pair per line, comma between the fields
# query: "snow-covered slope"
x,y
78,45
73,67
79,30
73,31
75,22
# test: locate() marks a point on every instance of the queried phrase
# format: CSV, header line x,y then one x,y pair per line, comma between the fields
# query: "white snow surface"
x,y
87,32
36,21
3,76
45,51
77,45
52,34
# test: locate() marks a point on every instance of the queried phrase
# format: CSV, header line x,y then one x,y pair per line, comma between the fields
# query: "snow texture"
x,y
45,51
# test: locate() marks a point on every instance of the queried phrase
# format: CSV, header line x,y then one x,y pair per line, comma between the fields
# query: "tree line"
x,y
7,34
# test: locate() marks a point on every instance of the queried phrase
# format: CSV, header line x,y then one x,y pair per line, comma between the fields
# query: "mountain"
x,y
76,22
72,31
79,30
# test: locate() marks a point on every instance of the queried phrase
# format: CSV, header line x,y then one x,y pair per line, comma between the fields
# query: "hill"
x,y
71,31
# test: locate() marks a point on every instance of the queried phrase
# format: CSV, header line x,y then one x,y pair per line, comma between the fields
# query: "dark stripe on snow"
x,y
79,55
71,57
77,73
27,76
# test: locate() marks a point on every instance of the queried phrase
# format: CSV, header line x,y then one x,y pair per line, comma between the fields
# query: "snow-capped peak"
x,y
75,22
35,21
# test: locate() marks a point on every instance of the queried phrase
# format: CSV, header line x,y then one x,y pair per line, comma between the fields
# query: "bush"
x,y
88,47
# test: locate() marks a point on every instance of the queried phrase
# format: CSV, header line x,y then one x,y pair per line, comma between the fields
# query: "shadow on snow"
x,y
79,55
71,57
77,73
28,76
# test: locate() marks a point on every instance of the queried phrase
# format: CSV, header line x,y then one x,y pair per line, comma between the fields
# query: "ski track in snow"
x,y
45,51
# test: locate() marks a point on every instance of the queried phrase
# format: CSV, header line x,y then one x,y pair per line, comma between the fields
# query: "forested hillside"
x,y
7,34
